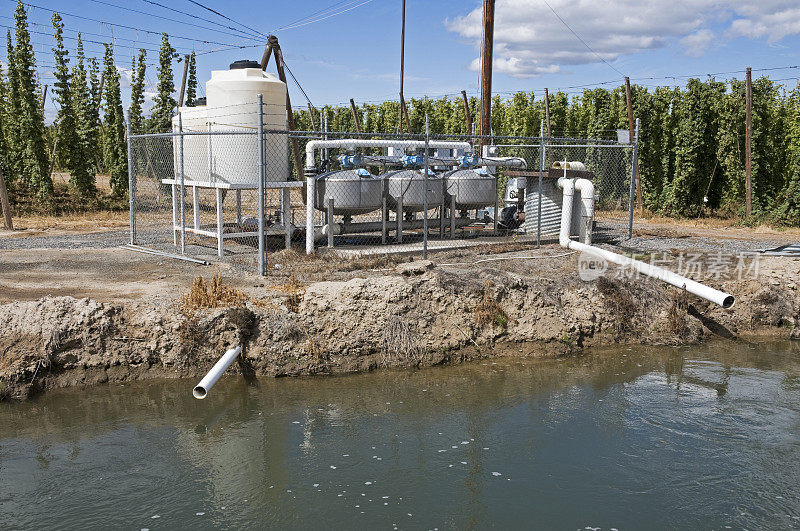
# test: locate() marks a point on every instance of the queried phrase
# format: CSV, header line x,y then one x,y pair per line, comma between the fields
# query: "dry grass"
x,y
294,291
214,294
676,315
399,346
488,311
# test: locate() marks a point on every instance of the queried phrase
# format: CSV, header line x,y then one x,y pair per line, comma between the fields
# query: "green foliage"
x,y
11,111
81,157
115,148
161,116
191,83
33,164
137,93
64,128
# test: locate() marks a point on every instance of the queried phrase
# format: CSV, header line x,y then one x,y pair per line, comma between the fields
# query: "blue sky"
x,y
355,54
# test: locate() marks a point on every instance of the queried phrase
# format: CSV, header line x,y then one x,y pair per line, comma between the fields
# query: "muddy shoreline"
x,y
416,316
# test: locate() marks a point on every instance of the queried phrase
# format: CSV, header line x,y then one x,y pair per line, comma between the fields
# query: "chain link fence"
x,y
231,183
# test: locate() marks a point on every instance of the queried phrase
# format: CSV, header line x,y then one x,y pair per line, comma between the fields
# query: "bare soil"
x,y
84,316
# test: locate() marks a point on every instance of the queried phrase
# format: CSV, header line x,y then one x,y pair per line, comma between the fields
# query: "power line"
x,y
580,39
320,18
151,32
153,2
297,82
227,18
101,2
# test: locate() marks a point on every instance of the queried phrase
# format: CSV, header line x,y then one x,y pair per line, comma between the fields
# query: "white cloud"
x,y
530,40
698,42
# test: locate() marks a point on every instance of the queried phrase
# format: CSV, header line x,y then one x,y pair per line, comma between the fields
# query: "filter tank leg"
x,y
400,219
384,220
330,222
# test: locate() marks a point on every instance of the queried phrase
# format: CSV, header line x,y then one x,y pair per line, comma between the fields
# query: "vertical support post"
x,y
384,219
399,216
131,180
220,240
748,147
175,226
183,189
6,204
195,207
486,69
631,192
287,215
630,127
467,114
441,210
330,222
403,63
542,163
238,206
547,110
452,217
425,191
183,81
262,262
355,115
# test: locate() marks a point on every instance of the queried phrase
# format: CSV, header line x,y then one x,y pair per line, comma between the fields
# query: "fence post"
x,y
183,196
262,266
425,194
542,162
632,191
131,178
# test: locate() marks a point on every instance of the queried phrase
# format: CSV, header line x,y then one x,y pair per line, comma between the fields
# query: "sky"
x,y
348,49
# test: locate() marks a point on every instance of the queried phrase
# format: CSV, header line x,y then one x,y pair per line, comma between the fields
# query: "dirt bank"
x,y
410,315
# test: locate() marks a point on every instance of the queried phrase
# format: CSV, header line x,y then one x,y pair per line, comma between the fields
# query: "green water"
x,y
649,438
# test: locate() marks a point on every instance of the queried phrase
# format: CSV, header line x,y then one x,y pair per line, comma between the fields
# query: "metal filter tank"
x,y
354,192
471,189
410,184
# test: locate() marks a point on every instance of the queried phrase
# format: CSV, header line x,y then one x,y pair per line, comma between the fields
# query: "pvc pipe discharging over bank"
x,y
586,188
201,390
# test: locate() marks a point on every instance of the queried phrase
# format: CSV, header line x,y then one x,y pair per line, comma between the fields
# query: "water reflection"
x,y
702,436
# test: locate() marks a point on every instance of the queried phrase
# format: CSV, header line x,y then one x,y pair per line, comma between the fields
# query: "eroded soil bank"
x,y
415,315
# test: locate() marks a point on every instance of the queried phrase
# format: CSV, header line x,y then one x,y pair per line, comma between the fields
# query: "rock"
x,y
414,268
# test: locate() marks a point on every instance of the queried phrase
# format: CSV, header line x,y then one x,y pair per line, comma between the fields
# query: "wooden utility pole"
x,y
632,137
44,96
311,117
547,110
265,57
467,114
486,69
5,203
403,110
183,81
355,115
276,50
748,148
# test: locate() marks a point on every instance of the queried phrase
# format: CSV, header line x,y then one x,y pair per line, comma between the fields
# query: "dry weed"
x,y
399,346
488,310
294,290
216,294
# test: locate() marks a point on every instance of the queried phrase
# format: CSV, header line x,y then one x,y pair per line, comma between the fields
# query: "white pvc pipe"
x,y
201,390
725,300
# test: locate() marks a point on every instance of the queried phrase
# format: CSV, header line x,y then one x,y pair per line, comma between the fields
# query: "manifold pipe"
x,y
352,143
375,226
201,390
569,186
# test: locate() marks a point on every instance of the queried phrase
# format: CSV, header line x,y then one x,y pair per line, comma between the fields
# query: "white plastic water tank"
x,y
196,164
232,105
